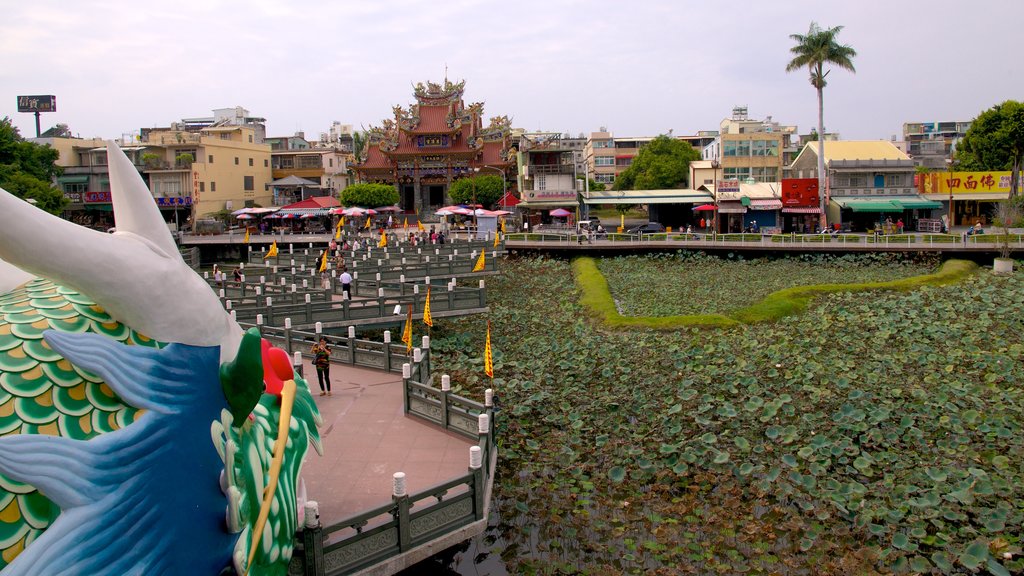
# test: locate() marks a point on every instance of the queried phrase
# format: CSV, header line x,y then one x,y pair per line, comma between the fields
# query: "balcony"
x,y
548,169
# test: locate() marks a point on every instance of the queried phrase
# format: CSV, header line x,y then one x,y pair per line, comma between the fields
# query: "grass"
x,y
597,298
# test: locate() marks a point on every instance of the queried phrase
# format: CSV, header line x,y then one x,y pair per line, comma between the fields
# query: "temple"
x,y
432,143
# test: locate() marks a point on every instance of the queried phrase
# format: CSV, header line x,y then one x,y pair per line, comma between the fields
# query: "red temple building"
x,y
432,143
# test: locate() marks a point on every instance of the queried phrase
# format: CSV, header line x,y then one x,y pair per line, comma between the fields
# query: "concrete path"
x,y
367,438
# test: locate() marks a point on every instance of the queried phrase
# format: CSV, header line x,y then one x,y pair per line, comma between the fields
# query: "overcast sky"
x,y
637,67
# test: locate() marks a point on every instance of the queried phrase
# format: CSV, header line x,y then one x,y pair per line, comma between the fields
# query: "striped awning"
x,y
802,210
765,204
304,211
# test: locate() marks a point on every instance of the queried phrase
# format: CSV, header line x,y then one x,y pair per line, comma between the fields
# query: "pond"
x,y
876,431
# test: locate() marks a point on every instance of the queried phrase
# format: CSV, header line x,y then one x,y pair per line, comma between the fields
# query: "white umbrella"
x,y
354,211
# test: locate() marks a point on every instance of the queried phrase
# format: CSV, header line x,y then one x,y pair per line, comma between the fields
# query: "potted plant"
x,y
1007,214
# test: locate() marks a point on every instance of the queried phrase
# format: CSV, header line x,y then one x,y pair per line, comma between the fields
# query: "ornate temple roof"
x,y
438,124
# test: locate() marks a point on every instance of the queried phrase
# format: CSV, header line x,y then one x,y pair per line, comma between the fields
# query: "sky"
x,y
636,67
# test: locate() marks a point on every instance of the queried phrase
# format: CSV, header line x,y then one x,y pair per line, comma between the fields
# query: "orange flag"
x,y
272,252
407,333
405,223
481,262
383,240
419,225
488,358
427,318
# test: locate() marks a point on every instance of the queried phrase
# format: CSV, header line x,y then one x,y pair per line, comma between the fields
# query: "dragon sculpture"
x,y
143,431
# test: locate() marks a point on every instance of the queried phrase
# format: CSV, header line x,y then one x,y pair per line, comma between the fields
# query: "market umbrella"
x,y
336,211
560,213
244,217
354,211
501,212
389,209
449,210
305,216
240,211
704,208
288,216
275,216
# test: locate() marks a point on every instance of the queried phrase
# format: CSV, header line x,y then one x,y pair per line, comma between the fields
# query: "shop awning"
x,y
74,179
802,210
917,203
870,205
731,208
765,204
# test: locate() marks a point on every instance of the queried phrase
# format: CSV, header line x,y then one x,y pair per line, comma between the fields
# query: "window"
x,y
736,173
209,159
765,174
330,162
213,186
247,183
764,148
202,186
541,182
604,161
225,136
250,142
236,160
250,161
75,187
603,144
266,162
604,178
894,180
623,161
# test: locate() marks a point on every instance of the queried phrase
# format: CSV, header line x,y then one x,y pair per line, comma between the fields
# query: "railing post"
x,y
297,364
312,541
406,375
387,351
425,363
476,468
402,505
352,345
446,391
483,294
288,335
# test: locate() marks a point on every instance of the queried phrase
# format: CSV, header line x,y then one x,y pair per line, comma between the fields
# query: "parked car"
x,y
649,228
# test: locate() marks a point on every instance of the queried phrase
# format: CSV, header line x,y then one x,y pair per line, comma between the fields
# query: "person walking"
x,y
899,226
346,282
322,361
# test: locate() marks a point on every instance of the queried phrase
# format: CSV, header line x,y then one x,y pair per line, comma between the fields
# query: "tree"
x,y
359,139
663,163
995,141
595,186
26,169
815,50
482,189
369,195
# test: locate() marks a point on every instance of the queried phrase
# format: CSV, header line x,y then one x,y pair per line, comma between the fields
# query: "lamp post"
x,y
715,165
949,184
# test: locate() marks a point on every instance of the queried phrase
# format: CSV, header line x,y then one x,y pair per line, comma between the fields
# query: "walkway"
x,y
367,438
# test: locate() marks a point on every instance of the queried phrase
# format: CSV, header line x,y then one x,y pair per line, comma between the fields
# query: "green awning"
x,y
75,179
877,206
745,201
919,204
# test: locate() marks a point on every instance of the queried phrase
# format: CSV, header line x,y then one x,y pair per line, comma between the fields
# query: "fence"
x,y
440,516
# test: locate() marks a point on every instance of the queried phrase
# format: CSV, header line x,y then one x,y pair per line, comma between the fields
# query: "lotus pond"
x,y
877,432
697,283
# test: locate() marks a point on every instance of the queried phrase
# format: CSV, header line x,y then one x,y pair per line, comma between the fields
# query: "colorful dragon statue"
x,y
143,432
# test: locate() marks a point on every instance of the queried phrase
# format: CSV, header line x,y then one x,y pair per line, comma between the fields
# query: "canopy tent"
x,y
294,182
560,213
509,199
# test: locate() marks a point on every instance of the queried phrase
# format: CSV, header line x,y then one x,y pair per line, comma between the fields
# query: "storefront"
x,y
973,195
861,213
801,212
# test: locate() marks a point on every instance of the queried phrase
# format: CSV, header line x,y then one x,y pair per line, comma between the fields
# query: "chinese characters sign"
x,y
37,103
965,182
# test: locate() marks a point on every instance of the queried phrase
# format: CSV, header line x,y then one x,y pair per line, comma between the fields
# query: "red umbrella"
x,y
560,213
705,208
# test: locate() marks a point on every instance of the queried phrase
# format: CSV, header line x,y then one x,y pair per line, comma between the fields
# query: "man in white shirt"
x,y
346,282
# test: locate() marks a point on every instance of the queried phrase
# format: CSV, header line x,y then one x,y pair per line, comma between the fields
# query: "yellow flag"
x,y
246,240
481,262
497,238
383,240
337,233
323,262
419,225
341,222
503,226
488,357
405,223
407,332
367,222
622,220
427,318
272,252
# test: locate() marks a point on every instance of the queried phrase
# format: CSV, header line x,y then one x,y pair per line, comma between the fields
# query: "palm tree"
x,y
813,50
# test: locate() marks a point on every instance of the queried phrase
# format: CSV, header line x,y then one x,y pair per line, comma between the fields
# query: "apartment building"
x,y
931,144
608,156
324,164
751,149
218,167
548,171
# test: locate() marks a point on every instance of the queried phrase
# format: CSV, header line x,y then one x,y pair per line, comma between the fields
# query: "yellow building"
x,y
217,168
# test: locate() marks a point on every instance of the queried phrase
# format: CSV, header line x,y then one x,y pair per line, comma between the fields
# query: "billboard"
x,y
726,186
37,103
964,182
799,191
